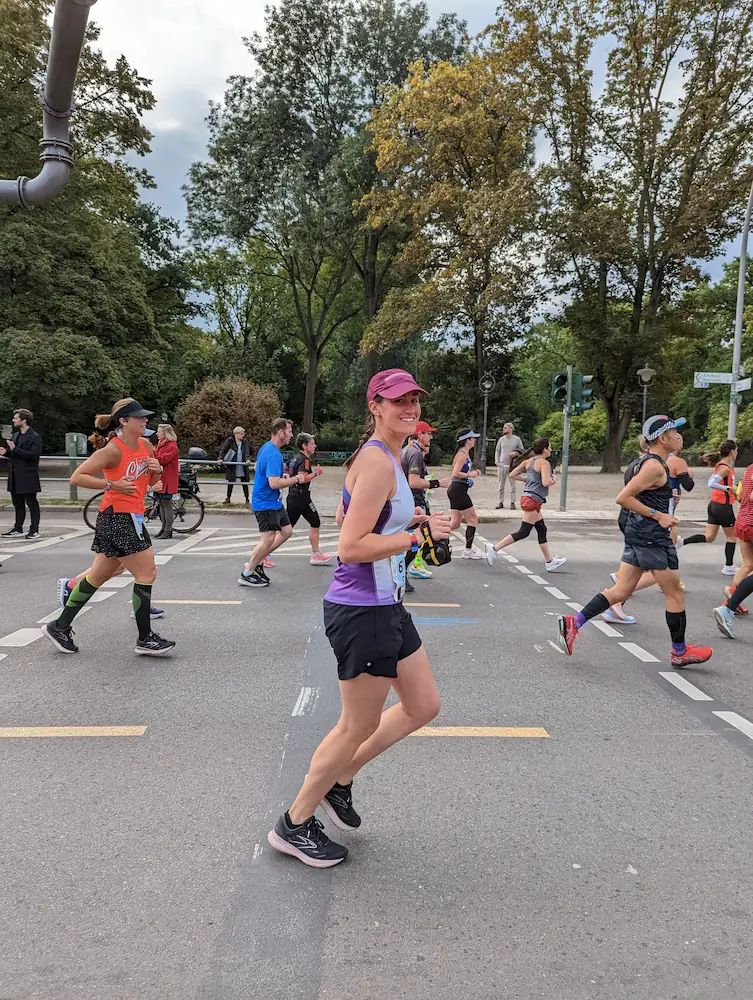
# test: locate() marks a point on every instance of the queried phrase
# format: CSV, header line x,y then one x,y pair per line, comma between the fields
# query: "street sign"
x,y
743,384
711,378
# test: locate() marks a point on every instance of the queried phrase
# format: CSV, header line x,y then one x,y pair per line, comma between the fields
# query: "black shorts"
x,y
420,500
648,550
369,640
300,505
271,520
722,514
115,535
457,494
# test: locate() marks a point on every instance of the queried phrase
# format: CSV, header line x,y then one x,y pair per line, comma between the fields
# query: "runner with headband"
x,y
647,497
461,504
539,478
129,467
372,635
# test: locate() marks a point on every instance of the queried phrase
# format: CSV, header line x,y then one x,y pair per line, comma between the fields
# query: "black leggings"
x,y
230,490
21,501
745,589
526,528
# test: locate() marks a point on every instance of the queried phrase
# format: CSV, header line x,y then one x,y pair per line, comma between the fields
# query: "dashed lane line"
x,y
188,543
538,579
54,615
684,685
608,630
27,732
524,569
741,724
163,601
22,637
640,652
556,592
527,732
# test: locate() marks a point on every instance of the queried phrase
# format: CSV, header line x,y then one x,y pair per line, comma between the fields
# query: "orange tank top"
x,y
727,477
133,467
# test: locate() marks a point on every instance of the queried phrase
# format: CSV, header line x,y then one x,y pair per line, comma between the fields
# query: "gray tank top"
x,y
534,486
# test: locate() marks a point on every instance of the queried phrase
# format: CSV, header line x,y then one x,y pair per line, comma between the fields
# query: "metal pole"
x,y
566,437
645,403
732,422
483,435
71,449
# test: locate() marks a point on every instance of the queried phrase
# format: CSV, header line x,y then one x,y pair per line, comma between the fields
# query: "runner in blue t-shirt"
x,y
274,524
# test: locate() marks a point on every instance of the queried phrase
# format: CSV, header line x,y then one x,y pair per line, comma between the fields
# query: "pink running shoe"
x,y
268,564
320,559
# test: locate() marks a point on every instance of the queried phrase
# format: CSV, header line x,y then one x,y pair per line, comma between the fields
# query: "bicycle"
x,y
188,510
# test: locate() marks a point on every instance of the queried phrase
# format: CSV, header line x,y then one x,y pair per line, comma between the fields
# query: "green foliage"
x,y
588,431
207,416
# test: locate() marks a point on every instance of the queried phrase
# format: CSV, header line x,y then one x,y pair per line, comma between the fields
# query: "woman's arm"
x,y
519,471
89,473
457,465
373,485
547,477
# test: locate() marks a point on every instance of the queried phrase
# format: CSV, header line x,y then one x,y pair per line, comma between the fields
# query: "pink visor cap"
x,y
393,383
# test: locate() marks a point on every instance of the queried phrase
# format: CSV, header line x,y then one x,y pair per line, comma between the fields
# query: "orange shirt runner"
x,y
727,477
133,466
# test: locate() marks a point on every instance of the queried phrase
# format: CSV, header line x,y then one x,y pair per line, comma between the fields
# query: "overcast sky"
x,y
188,48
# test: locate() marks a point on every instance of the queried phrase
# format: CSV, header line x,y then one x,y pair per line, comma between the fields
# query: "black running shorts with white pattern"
x,y
300,505
115,535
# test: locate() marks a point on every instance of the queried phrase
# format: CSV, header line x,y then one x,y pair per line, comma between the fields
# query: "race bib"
x,y
138,523
397,565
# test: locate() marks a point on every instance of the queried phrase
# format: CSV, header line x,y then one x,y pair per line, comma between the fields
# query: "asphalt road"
x,y
608,857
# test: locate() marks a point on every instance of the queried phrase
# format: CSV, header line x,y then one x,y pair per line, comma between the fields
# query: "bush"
x,y
208,415
588,431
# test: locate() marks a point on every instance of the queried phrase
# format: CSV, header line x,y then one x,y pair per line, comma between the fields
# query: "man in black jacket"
x,y
22,452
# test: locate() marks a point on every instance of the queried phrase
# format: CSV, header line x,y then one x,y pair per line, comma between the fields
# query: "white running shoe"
x,y
680,542
472,554
420,572
555,563
729,570
615,617
491,553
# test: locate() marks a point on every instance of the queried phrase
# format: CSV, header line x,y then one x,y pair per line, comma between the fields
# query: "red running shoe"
x,y
739,610
692,654
568,632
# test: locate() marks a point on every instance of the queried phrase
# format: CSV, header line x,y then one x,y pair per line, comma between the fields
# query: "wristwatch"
x,y
108,485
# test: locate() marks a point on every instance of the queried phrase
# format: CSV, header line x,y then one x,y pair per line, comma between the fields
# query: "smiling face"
x,y
396,418
134,425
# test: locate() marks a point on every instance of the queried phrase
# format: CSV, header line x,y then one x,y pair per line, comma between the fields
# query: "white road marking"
x,y
738,722
558,594
46,542
613,633
685,686
3,656
257,851
6,555
306,701
21,638
162,560
556,646
575,606
54,615
188,543
509,558
538,579
100,596
116,582
639,652
525,569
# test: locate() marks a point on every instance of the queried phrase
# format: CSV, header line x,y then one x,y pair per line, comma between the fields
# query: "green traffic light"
x,y
559,388
583,396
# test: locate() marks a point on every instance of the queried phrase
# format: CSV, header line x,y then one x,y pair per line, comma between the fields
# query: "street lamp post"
x,y
486,384
645,378
739,309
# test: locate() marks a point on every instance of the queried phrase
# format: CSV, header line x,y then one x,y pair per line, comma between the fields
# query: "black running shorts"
x,y
115,535
271,520
648,549
457,494
722,514
300,505
369,640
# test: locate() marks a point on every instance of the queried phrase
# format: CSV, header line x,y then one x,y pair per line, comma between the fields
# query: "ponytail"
x,y
368,432
98,441
104,422
725,450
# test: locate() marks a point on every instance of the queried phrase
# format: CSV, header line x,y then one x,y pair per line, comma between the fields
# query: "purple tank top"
x,y
381,582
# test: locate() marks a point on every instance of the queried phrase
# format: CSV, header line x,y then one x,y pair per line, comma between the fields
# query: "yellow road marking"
x,y
24,732
201,602
533,731
419,604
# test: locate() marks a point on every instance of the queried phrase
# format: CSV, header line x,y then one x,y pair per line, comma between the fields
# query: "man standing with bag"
x,y
23,452
509,449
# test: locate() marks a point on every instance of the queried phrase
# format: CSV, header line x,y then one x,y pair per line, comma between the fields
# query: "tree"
x,y
206,417
647,176
454,147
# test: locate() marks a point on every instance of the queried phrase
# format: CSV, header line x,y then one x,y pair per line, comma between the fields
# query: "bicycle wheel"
x,y
91,509
188,513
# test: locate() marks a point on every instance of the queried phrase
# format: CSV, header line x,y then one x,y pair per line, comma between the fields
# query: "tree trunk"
x,y
617,425
311,380
372,365
371,293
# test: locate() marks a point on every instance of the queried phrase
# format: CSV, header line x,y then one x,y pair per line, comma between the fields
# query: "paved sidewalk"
x,y
590,495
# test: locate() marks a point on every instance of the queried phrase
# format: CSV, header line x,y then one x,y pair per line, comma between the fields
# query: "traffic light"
x,y
559,388
582,396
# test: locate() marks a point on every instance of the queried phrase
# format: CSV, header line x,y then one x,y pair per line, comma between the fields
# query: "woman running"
x,y
539,478
461,504
166,454
300,503
743,583
372,635
129,467
721,509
